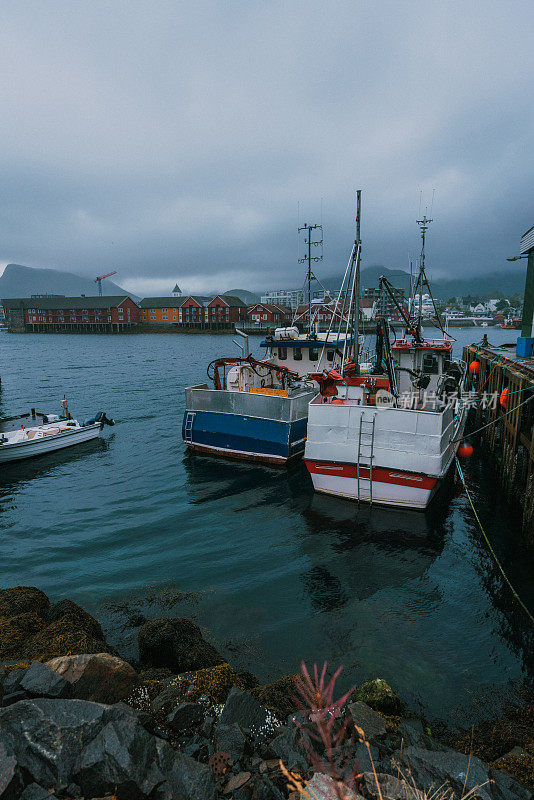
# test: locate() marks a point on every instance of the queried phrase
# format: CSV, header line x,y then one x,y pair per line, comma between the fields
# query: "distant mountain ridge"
x,y
508,282
21,281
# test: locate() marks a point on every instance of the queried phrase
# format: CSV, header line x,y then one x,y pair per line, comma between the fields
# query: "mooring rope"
x,y
495,421
492,551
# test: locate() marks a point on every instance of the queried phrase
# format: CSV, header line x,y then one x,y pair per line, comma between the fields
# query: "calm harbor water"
x,y
132,524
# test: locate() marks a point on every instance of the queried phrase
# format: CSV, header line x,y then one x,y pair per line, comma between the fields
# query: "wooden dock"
x,y
511,441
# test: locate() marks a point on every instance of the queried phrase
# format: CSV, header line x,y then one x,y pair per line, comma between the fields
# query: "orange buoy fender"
x,y
337,401
503,399
474,367
465,450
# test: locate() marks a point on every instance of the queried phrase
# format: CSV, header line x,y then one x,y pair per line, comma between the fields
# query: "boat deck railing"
x,y
282,409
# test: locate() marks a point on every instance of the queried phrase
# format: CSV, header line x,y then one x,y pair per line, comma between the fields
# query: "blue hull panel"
x,y
244,437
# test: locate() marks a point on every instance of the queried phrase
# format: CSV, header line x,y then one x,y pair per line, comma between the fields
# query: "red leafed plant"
x,y
328,734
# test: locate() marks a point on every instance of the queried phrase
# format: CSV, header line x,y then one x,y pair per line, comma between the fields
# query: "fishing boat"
x,y
18,440
388,436
508,325
257,409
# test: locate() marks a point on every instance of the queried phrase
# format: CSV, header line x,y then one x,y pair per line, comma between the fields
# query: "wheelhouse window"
x,y
430,363
282,353
297,354
329,355
314,353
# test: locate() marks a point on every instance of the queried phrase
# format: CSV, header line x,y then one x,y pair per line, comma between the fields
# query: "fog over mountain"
x,y
20,281
175,141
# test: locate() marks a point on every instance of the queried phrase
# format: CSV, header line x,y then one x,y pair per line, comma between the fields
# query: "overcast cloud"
x,y
173,141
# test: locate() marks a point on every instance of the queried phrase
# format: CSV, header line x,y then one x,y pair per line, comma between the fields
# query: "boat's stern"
x,y
254,426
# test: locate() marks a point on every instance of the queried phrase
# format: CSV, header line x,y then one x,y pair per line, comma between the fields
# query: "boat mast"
x,y
308,258
356,298
423,225
351,314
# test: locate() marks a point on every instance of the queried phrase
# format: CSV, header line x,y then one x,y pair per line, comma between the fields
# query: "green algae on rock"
x,y
32,629
279,696
379,695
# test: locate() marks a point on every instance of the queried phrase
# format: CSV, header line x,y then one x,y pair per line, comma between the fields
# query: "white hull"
x,y
413,451
38,447
383,493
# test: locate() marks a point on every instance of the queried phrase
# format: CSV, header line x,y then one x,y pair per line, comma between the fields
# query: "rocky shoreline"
x,y
77,721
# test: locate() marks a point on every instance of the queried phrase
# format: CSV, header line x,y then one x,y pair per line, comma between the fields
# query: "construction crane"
x,y
101,278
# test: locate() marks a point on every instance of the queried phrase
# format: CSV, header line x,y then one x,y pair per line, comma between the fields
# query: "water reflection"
x,y
15,475
356,552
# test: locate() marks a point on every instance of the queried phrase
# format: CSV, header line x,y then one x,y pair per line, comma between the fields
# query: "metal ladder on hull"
x,y
366,444
188,427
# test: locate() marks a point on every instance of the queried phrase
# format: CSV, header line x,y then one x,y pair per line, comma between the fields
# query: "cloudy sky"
x,y
175,141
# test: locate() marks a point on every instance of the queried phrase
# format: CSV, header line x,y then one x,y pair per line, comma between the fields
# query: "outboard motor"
x,y
100,417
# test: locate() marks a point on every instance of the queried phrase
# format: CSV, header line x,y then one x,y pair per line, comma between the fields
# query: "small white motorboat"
x,y
54,433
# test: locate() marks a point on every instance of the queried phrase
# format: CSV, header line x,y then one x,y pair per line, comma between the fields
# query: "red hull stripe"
x,y
380,474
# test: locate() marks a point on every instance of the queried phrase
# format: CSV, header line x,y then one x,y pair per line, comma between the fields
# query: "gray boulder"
x,y
36,792
431,769
11,781
248,712
287,747
322,787
102,749
13,697
167,699
362,757
101,677
504,787
41,681
413,735
186,716
230,739
13,680
258,788
176,643
390,786
190,780
371,722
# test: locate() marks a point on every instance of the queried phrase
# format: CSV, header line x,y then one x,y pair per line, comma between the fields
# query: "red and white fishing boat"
x,y
388,435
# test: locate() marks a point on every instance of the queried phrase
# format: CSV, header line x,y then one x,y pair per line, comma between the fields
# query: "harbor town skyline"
x,y
194,143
